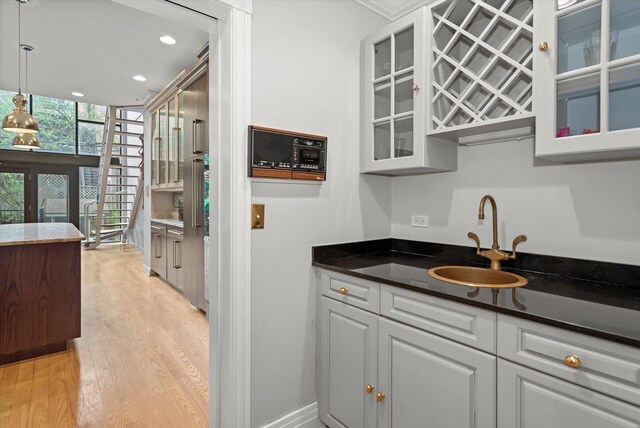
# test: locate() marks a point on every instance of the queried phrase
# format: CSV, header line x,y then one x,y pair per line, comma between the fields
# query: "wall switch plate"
x,y
419,221
257,216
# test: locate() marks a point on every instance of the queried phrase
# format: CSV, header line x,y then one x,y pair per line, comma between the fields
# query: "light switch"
x,y
257,216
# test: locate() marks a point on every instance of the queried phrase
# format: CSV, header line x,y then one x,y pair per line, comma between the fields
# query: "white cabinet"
x,y
394,92
373,371
407,363
530,399
431,381
587,70
480,70
348,354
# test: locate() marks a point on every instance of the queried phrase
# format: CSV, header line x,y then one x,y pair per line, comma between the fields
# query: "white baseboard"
x,y
305,417
146,269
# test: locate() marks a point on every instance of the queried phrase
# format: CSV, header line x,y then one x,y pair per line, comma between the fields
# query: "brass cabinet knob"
x,y
369,388
572,361
543,46
380,396
415,87
343,290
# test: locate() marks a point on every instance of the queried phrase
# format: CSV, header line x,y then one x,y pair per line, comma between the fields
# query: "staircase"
x,y
120,184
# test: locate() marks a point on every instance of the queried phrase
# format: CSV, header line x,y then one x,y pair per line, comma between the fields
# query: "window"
x,y
57,120
65,126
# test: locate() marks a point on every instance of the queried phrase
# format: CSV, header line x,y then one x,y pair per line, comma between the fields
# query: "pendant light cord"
x,y
19,42
26,72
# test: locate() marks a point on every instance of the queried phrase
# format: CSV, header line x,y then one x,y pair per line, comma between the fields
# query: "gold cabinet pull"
x,y
369,388
343,290
572,361
415,87
380,396
543,46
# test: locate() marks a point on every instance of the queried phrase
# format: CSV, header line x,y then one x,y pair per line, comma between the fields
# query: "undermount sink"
x,y
477,277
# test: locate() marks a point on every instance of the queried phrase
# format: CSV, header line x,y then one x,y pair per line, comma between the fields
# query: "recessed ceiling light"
x,y
77,94
139,78
168,40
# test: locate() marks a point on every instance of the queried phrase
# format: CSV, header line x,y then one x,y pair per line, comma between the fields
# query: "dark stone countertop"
x,y
595,298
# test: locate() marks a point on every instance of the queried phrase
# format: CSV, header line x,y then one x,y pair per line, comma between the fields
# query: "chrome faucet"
x,y
495,255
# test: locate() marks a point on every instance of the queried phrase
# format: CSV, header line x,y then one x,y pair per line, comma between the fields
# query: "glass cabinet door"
x,y
393,87
163,163
597,67
172,139
155,149
180,135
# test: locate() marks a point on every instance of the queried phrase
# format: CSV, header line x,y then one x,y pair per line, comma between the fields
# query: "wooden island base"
x,y
39,298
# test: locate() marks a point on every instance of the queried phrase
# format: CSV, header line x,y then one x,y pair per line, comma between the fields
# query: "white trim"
x,y
146,269
305,417
394,9
230,317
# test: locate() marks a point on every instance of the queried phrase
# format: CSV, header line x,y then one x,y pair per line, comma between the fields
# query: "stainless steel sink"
x,y
477,277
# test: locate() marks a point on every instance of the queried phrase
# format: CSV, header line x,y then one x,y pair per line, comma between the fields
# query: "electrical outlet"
x,y
419,221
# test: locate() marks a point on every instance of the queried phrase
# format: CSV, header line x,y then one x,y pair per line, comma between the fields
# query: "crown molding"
x,y
393,9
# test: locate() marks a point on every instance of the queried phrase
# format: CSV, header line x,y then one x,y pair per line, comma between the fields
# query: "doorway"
x,y
39,194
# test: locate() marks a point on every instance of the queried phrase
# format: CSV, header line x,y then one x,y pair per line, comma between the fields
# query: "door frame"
x,y
230,255
31,172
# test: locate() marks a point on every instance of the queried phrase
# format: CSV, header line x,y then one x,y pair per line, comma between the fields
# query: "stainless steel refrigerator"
x,y
195,105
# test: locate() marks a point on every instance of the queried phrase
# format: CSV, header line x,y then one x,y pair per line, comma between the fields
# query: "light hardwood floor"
x,y
142,360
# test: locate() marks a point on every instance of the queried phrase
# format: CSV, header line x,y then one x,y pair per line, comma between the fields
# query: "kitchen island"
x,y
39,289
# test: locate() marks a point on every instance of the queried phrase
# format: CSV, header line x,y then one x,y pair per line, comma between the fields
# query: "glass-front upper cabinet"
x,y
163,158
393,110
168,144
155,149
587,68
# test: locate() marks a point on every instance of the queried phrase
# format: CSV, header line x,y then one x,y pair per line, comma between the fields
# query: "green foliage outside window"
x,y
57,120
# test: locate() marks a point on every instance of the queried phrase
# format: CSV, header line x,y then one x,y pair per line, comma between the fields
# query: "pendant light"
x,y
25,140
19,120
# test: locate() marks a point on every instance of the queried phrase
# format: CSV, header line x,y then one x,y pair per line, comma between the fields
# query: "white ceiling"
x,y
93,47
393,9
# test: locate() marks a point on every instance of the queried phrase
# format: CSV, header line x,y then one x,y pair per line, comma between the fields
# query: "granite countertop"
x,y
169,222
38,233
565,296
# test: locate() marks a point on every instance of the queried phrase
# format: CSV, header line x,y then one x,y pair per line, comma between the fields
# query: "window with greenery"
x,y
65,126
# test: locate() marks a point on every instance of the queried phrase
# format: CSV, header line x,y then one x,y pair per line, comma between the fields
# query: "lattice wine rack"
x,y
482,61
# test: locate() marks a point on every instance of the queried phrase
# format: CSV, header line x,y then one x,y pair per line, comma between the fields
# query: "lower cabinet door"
x,y
159,254
530,399
429,381
347,365
174,263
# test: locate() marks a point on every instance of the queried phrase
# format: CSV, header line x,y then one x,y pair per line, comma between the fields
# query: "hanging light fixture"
x,y
19,120
25,140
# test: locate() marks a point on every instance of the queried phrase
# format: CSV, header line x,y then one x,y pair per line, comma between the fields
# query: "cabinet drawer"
x,y
158,228
604,366
175,233
354,291
466,324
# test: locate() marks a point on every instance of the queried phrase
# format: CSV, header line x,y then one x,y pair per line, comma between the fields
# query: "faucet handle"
x,y
475,238
518,239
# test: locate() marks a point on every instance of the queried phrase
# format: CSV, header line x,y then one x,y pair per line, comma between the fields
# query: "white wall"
x,y
589,211
305,67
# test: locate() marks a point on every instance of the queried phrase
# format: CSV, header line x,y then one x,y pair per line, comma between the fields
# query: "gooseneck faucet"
x,y
494,212
494,255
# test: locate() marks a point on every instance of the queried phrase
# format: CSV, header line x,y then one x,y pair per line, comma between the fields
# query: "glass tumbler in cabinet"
x,y
587,72
393,111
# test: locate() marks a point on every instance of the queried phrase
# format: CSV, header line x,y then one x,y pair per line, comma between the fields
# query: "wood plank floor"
x,y
142,360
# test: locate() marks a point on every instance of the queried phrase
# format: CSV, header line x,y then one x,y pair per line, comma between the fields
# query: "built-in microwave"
x,y
275,153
